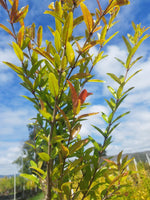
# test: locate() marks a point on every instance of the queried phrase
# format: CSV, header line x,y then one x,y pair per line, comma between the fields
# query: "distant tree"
x,y
28,152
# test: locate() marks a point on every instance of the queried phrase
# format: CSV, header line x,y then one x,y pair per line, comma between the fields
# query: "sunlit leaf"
x,y
68,28
87,17
104,116
114,77
39,36
38,170
99,130
7,30
54,15
30,177
64,150
70,53
133,75
128,45
44,54
21,14
44,156
20,36
57,41
53,85
14,67
75,131
80,76
18,51
77,145
120,116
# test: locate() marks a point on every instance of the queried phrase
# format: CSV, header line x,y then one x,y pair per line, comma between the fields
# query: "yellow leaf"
x,y
20,36
6,29
53,85
39,36
21,14
116,3
18,51
57,41
68,28
70,53
87,17
65,151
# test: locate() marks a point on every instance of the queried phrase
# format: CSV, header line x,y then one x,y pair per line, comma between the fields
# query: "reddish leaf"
x,y
83,95
14,11
73,94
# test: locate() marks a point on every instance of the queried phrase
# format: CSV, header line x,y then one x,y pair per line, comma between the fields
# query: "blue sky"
x,y
15,112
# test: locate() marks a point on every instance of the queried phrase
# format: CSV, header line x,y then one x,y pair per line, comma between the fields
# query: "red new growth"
x,y
77,100
83,95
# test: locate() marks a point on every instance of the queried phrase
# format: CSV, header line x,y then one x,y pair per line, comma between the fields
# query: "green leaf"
x,y
38,170
77,145
66,188
133,75
74,164
135,61
53,85
103,32
68,28
99,130
114,77
113,128
110,104
113,92
104,116
57,41
57,61
44,54
33,164
30,145
30,177
14,67
70,53
65,118
134,49
44,156
18,51
128,45
121,62
106,41
98,58
46,114
120,116
96,145
80,76
119,91
96,81
54,15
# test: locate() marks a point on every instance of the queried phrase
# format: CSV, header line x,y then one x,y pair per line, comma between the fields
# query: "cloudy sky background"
x,y
15,112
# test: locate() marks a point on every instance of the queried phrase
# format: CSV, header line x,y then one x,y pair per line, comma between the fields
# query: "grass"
x,y
39,196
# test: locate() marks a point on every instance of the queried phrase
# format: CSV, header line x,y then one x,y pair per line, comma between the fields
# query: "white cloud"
x,y
9,152
96,120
